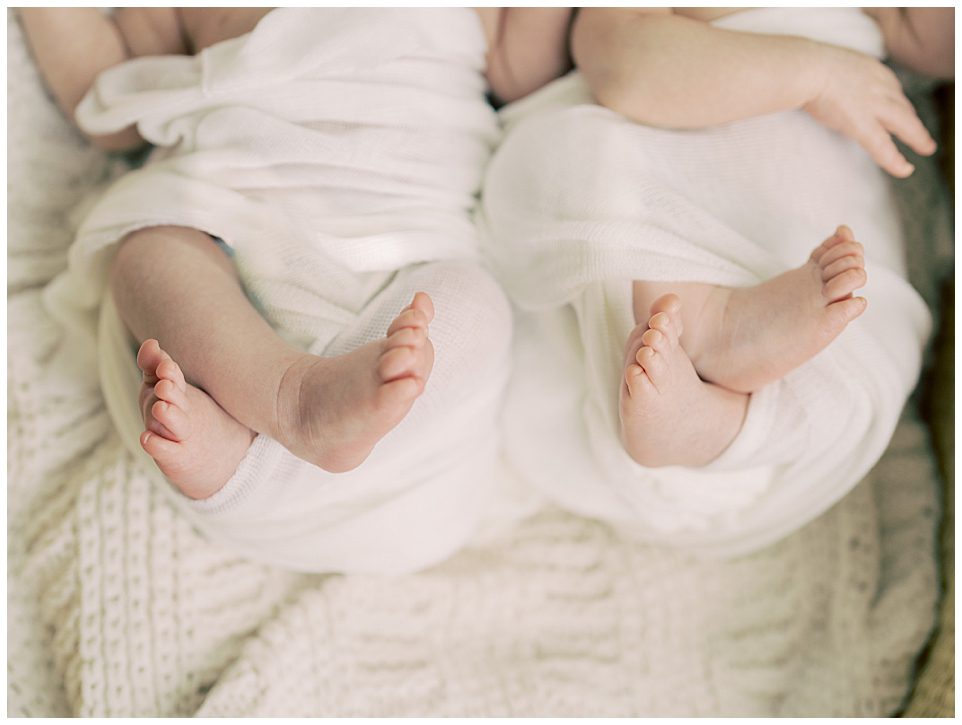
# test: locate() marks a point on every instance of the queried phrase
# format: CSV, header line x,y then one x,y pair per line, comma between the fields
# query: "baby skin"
x,y
700,350
329,411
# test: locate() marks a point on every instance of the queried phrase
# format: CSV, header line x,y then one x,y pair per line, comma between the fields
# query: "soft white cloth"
x,y
117,606
579,201
329,148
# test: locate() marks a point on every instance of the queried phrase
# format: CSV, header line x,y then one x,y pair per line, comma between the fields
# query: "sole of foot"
x,y
669,416
195,443
754,336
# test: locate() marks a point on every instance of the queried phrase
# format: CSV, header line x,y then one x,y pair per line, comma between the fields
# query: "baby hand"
x,y
863,99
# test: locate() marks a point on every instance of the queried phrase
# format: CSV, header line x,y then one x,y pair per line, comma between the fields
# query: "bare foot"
x,y
196,444
749,337
669,416
332,411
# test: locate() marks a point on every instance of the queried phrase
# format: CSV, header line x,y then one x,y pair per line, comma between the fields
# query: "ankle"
x,y
286,413
704,325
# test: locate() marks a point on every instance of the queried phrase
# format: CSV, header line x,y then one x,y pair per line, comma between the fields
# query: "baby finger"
x,y
905,124
884,152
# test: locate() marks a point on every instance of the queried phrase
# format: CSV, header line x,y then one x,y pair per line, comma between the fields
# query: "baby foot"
x,y
195,443
755,335
669,416
333,411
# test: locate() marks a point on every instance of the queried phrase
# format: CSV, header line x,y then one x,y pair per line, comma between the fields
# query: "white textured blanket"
x,y
579,201
118,606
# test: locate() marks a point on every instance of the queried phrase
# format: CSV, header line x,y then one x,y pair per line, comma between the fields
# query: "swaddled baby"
x,y
696,365
335,156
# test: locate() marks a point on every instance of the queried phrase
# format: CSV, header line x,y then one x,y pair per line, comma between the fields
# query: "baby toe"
x,y
655,339
841,265
844,284
637,380
408,319
845,233
668,325
840,235
396,362
423,303
654,365
172,418
170,370
158,428
168,391
845,249
408,337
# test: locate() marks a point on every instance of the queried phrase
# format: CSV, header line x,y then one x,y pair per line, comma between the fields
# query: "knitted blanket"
x,y
118,606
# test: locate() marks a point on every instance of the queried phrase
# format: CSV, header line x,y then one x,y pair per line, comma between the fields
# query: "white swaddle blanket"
x,y
579,201
329,148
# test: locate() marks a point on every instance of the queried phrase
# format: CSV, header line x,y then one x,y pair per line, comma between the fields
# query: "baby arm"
x,y
72,46
666,70
671,71
528,47
922,39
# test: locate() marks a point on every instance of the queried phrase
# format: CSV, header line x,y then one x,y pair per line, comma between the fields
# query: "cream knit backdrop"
x,y
116,606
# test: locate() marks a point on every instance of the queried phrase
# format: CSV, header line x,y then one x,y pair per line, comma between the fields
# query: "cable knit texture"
x,y
117,606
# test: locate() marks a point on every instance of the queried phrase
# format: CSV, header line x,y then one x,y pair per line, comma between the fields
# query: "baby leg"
x,y
421,493
173,285
746,338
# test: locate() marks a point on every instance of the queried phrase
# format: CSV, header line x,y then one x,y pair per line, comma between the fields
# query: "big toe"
x,y
845,233
149,356
422,302
666,316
